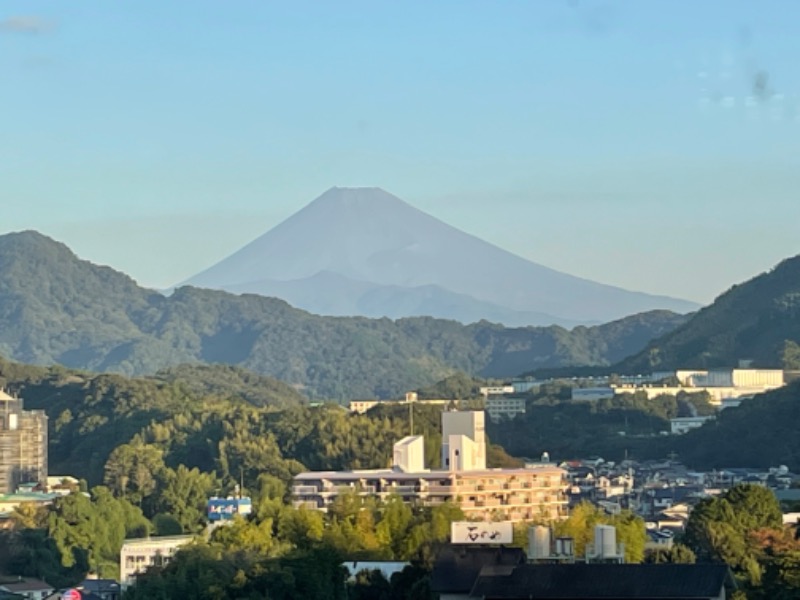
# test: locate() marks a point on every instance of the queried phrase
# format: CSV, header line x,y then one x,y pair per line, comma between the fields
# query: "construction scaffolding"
x,y
23,444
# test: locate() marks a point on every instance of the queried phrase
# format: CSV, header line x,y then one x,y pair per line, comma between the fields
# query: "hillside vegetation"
x,y
57,309
753,320
763,432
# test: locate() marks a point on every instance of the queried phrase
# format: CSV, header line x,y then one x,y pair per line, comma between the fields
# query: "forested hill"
x,y
99,422
58,309
752,320
762,432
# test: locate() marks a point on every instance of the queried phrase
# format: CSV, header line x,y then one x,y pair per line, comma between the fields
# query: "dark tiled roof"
x,y
456,568
604,581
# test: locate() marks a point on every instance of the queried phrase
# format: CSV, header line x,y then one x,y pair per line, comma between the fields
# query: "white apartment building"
x,y
681,425
483,494
137,555
497,390
500,407
592,393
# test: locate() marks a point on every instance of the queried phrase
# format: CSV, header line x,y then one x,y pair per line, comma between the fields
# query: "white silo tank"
x,y
565,547
605,541
538,542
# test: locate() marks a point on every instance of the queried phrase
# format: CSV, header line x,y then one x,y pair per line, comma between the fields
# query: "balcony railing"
x,y
441,489
400,489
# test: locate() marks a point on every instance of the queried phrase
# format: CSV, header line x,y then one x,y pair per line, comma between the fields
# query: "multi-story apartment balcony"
x,y
491,487
488,502
401,489
442,489
303,490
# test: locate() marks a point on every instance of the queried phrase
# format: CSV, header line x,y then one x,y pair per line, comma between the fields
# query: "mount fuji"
x,y
363,251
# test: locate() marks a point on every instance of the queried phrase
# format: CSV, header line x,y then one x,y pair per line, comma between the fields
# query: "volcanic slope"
x,y
363,251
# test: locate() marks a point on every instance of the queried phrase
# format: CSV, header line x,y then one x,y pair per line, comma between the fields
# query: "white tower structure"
x,y
463,440
409,454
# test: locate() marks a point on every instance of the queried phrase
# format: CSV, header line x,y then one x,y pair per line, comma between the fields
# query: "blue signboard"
x,y
223,509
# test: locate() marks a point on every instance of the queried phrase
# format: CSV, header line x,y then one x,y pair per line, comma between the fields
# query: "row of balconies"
x,y
433,488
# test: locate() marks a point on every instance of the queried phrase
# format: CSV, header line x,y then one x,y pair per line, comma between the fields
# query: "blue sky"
x,y
649,144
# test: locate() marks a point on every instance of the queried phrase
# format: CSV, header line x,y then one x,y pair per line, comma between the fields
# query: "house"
x,y
456,568
102,589
27,587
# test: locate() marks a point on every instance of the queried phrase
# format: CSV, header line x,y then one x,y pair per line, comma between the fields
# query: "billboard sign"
x,y
467,532
224,509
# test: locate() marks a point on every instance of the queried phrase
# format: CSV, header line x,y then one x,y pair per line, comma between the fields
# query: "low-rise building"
x,y
592,393
137,555
504,407
27,587
681,425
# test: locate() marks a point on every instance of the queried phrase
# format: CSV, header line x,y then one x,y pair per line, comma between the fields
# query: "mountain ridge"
x,y
752,320
369,236
58,309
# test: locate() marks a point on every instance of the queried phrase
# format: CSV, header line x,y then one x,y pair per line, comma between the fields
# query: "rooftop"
x,y
604,581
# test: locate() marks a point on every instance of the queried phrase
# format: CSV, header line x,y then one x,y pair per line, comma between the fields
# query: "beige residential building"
x,y
23,444
537,492
487,494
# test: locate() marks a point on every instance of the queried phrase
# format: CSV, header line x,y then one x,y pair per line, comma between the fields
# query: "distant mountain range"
x,y
56,308
363,251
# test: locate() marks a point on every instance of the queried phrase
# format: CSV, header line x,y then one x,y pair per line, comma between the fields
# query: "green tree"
x,y
719,528
96,526
301,527
677,553
585,516
241,535
29,515
132,469
790,356
183,493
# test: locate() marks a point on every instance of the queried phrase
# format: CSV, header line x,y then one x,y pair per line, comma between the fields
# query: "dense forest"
x,y
764,431
57,309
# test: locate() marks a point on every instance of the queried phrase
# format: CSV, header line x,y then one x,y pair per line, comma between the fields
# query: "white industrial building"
x,y
763,379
